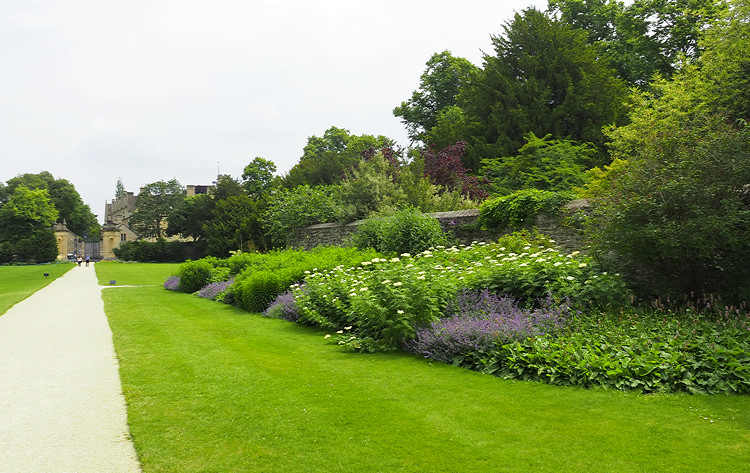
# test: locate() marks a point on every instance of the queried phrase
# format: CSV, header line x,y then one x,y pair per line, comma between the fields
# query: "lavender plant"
x,y
215,289
283,307
172,283
478,321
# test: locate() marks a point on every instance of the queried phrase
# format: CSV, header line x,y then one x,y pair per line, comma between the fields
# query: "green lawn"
x,y
19,282
126,274
213,389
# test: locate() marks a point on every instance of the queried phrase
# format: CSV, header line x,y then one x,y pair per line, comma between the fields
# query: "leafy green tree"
x,y
542,163
119,189
546,79
71,209
155,202
369,187
188,217
234,225
326,158
675,214
258,176
725,62
439,87
25,221
227,186
643,38
289,209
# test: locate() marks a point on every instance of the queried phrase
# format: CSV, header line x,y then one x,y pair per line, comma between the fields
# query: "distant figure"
x,y
87,261
79,260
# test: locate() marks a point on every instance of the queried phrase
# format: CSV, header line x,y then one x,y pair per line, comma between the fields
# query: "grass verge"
x,y
213,389
134,274
19,282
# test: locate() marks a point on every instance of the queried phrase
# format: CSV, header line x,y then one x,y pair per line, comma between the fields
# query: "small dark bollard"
x,y
112,282
46,275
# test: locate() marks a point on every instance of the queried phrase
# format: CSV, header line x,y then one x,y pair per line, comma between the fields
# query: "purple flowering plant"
x,y
172,283
478,321
215,289
283,307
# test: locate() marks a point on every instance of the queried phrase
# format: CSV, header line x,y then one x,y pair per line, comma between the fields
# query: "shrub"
x,y
172,283
215,289
477,321
194,275
519,208
404,231
677,221
295,208
384,302
160,251
632,351
257,290
283,307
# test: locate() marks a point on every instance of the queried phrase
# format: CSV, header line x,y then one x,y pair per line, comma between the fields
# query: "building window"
x,y
123,237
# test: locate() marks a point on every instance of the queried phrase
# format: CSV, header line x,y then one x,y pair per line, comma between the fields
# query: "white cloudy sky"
x,y
148,90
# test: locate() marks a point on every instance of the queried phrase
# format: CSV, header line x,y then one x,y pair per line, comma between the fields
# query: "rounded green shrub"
x,y
404,231
256,291
194,275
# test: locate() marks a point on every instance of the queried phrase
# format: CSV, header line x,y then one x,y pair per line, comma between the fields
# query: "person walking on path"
x,y
87,261
61,402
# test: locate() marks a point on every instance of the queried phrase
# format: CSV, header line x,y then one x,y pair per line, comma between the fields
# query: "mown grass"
x,y
135,274
19,282
211,388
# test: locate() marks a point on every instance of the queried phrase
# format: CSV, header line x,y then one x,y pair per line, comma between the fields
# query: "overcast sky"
x,y
149,90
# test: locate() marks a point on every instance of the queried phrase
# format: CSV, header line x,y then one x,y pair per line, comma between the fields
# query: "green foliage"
x,y
155,202
402,231
25,221
257,177
119,188
542,163
439,87
427,197
63,196
40,246
725,63
520,208
368,188
675,219
234,225
379,304
295,208
644,37
258,289
327,158
694,353
194,275
543,78
160,251
259,278
188,217
678,220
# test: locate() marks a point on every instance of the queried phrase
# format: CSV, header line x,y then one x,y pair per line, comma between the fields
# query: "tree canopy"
x,y
439,86
155,202
25,226
63,195
325,159
544,78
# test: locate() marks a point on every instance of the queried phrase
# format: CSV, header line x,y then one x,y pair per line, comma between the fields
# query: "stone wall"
x,y
462,224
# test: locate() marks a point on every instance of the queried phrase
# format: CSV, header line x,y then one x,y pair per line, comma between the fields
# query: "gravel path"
x,y
61,403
